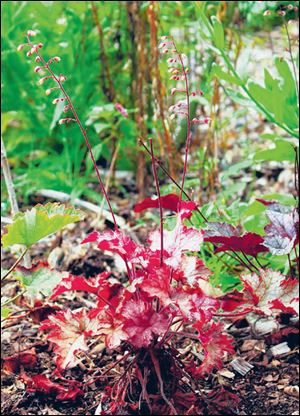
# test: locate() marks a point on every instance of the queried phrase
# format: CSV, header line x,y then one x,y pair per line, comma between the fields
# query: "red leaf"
x,y
232,301
194,305
111,325
72,282
170,202
40,311
265,202
215,345
157,284
142,323
68,332
114,241
42,384
271,291
249,243
26,359
194,273
176,242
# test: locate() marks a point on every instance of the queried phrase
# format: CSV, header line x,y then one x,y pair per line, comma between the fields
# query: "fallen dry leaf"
x,y
292,391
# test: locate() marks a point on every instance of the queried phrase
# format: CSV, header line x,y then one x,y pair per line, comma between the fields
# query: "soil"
x,y
269,388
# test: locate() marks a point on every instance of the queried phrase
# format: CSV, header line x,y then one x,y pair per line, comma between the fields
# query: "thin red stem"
x,y
188,134
83,131
159,203
161,165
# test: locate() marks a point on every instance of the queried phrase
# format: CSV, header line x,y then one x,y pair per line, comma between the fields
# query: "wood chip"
x,y
280,349
292,391
253,344
271,377
226,373
264,326
241,366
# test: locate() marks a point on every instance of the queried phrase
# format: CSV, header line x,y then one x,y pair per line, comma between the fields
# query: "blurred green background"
x,y
107,52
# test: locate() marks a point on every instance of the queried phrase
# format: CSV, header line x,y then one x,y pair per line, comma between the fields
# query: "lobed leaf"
x,y
41,221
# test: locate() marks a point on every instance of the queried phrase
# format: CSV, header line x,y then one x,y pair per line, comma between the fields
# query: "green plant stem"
x,y
15,264
292,57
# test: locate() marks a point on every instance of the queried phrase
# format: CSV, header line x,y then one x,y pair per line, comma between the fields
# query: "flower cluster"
x,y
46,67
177,67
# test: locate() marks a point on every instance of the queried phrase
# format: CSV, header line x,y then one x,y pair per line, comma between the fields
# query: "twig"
x,y
15,264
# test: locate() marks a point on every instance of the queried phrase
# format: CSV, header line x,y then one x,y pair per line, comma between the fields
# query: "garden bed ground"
x,y
268,388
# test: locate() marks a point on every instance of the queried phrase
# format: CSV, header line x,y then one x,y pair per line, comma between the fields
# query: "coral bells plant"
x,y
166,301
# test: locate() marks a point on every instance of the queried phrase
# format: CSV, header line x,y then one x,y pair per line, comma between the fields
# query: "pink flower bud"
x,y
29,53
162,45
281,13
38,59
31,33
66,108
56,59
48,91
205,120
37,68
195,93
165,51
20,48
66,120
40,45
33,49
165,37
57,100
290,7
42,80
62,78
173,91
121,110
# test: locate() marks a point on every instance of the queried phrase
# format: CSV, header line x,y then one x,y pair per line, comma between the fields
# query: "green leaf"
x,y
289,85
42,220
39,279
218,71
218,34
5,311
283,151
262,95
